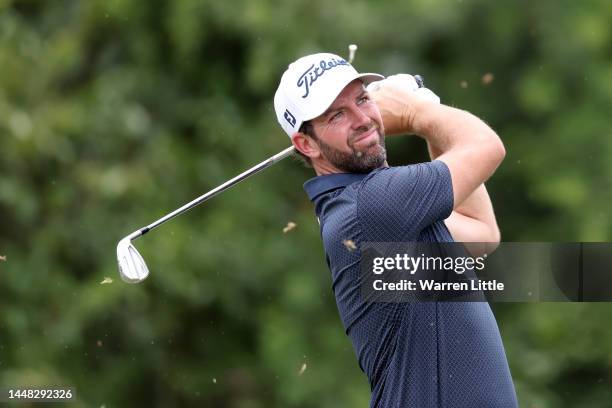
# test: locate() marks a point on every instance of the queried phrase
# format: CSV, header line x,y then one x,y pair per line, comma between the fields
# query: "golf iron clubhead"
x,y
132,267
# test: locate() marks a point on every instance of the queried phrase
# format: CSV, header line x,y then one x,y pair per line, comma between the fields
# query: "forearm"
x,y
446,128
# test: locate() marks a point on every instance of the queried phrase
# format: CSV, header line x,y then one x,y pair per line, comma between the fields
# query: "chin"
x,y
376,147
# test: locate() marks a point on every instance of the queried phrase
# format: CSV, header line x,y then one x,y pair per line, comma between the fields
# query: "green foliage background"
x,y
114,112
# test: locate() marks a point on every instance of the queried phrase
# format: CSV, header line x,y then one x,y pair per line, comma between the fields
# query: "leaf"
x,y
290,225
349,244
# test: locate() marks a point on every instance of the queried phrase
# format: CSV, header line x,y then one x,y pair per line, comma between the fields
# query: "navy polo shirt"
x,y
426,354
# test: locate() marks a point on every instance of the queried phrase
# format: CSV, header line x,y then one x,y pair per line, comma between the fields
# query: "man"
x,y
427,354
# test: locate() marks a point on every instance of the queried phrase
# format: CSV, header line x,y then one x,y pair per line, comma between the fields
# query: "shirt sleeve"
x,y
397,203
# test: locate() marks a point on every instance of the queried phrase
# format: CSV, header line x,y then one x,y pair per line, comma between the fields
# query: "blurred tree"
x,y
113,113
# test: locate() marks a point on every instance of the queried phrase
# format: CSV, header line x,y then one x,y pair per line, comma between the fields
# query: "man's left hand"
x,y
396,97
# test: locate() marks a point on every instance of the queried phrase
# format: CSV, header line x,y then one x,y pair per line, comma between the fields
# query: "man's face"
x,y
350,134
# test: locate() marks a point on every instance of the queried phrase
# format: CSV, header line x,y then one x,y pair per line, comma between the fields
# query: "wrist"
x,y
412,116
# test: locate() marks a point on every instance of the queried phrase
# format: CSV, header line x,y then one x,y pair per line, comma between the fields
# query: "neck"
x,y
325,168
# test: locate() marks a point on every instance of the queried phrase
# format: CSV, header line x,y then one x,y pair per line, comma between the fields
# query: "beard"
x,y
374,156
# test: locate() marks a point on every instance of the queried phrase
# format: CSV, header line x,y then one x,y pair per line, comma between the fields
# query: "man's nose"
x,y
360,118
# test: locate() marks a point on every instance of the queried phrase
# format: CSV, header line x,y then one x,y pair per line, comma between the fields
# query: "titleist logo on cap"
x,y
315,72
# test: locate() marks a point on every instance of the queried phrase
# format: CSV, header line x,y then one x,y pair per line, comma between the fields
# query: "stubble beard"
x,y
374,156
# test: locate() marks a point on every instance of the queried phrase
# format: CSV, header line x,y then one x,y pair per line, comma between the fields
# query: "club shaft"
x,y
242,176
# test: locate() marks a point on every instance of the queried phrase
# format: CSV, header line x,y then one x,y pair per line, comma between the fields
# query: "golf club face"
x,y
132,267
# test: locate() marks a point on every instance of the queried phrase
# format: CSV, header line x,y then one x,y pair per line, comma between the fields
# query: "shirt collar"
x,y
328,182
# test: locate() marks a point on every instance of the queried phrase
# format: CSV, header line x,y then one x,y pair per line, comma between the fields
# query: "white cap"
x,y
310,85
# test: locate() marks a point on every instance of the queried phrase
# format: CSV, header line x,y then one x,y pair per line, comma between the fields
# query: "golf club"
x,y
132,266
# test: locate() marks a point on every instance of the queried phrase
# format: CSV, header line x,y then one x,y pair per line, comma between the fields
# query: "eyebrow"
x,y
330,110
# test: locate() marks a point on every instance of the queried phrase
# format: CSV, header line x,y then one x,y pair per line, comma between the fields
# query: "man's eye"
x,y
335,117
364,99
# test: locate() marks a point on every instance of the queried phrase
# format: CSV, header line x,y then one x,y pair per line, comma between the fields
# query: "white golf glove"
x,y
407,82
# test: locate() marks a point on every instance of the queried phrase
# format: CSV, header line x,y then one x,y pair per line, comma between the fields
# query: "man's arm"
x,y
473,220
471,150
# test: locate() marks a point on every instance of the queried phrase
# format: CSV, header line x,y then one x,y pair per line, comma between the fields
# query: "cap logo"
x,y
289,117
313,73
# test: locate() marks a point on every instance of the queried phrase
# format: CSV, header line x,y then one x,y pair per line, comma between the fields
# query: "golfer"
x,y
424,354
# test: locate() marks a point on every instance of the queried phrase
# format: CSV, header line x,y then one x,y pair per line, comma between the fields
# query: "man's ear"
x,y
306,145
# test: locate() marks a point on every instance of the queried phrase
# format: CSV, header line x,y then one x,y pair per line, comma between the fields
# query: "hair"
x,y
308,130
